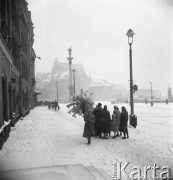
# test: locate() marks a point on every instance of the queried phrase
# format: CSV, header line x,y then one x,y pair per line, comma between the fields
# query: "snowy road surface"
x,y
48,138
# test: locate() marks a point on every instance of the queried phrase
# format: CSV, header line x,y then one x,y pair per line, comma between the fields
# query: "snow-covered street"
x,y
47,138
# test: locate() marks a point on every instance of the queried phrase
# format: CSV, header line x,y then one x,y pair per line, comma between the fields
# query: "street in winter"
x,y
86,89
49,138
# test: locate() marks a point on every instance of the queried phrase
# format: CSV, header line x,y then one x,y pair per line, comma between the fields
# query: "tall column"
x,y
57,90
70,75
74,81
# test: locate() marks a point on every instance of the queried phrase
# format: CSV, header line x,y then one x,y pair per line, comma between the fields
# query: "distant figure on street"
x,y
105,122
124,123
55,105
49,105
97,113
52,105
89,119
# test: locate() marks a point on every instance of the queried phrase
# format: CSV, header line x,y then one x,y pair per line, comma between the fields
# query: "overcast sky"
x,y
96,30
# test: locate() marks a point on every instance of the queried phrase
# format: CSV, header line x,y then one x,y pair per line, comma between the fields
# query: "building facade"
x,y
17,59
101,89
56,83
105,91
170,97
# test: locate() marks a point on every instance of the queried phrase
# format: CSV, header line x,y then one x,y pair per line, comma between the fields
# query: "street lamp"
x,y
57,90
74,80
151,94
133,118
70,74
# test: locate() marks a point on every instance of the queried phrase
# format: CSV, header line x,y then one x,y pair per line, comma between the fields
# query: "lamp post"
x,y
133,118
70,74
151,94
57,90
74,71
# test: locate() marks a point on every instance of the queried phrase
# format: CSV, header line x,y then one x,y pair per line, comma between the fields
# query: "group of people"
x,y
53,105
100,123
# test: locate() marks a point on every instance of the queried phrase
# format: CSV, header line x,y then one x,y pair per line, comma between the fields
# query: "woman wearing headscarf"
x,y
115,123
124,122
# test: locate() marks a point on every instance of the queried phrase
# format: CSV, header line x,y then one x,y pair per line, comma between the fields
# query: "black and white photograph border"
x,y
60,60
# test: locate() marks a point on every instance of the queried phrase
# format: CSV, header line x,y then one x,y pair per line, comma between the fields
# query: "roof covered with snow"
x,y
100,82
64,75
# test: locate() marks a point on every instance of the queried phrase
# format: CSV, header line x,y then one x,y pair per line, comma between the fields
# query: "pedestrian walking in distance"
x,y
124,122
52,105
89,119
49,105
55,105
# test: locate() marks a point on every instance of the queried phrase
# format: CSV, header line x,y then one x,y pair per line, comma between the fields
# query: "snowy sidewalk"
x,y
50,138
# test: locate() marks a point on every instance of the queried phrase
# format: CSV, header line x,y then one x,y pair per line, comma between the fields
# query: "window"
x,y
4,97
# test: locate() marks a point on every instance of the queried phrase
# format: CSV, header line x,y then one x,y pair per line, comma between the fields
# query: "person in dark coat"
x,y
89,119
49,105
105,122
52,104
124,123
55,105
97,113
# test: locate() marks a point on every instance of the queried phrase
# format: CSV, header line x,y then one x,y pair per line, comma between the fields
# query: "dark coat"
x,y
97,113
55,104
89,125
104,121
123,121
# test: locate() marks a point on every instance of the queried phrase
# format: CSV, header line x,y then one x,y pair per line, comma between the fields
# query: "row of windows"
x,y
10,21
10,99
16,53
